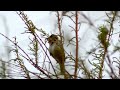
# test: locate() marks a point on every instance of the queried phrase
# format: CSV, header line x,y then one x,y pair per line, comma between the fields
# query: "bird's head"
x,y
52,39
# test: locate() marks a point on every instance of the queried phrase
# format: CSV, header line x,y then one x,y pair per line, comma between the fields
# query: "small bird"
x,y
57,51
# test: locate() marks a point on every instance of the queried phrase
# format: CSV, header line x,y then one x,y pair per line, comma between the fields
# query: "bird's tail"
x,y
62,68
63,71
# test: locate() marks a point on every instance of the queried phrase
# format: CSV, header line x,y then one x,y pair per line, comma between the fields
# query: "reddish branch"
x,y
59,25
76,33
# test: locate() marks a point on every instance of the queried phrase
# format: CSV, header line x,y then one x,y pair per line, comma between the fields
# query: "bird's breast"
x,y
51,48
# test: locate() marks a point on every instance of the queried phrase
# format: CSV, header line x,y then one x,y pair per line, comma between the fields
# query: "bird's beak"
x,y
47,39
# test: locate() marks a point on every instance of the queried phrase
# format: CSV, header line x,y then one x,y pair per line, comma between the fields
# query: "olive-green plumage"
x,y
57,51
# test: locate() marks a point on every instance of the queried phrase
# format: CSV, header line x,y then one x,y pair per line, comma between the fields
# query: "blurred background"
x,y
11,25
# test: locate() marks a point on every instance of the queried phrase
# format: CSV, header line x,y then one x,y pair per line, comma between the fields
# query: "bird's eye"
x,y
56,37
